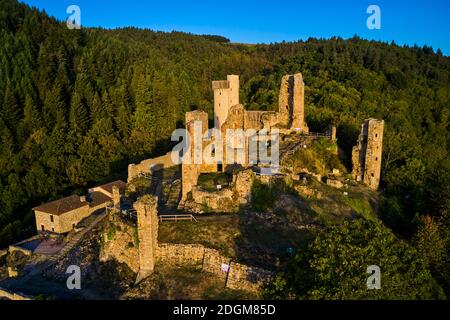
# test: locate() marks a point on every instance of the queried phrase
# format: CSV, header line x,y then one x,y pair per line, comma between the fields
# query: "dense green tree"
x,y
334,267
79,117
11,113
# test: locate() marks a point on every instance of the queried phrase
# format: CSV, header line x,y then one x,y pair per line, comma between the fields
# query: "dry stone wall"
x,y
238,277
150,165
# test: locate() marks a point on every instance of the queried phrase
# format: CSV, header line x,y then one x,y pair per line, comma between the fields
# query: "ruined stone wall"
x,y
367,154
147,220
150,165
291,102
228,199
119,243
235,148
249,278
239,277
191,171
142,259
181,254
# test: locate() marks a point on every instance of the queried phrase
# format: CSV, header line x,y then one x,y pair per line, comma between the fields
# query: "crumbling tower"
x,y
190,170
366,156
292,102
147,223
226,95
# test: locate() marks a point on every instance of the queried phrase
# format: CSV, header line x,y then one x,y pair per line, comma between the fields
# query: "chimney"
x,y
116,196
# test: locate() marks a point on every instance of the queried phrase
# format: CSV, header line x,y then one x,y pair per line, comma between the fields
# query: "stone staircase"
x,y
173,197
75,239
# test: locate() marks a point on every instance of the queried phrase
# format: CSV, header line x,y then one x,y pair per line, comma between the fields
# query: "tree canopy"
x,y
334,266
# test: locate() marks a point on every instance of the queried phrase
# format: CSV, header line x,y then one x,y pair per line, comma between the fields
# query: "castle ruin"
x,y
366,156
229,114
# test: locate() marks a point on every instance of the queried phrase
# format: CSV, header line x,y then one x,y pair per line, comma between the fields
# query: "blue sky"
x,y
406,22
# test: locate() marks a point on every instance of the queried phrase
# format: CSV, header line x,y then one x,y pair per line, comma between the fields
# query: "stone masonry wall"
x,y
292,102
367,154
147,218
149,165
239,277
142,259
117,241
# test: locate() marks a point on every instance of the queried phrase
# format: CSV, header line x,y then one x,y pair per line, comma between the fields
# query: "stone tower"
x,y
226,95
292,102
147,224
189,169
366,156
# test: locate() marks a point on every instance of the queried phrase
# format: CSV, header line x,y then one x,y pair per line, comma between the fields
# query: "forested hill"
x,y
78,105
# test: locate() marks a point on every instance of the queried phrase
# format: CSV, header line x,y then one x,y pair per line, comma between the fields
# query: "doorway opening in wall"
x,y
219,167
73,226
53,229
42,227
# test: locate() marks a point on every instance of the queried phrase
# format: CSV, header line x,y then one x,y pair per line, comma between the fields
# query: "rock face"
x,y
366,156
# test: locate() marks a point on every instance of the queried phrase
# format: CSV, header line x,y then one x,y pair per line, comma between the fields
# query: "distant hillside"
x,y
78,105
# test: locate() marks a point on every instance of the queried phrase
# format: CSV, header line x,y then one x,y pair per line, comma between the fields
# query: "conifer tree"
x,y
11,113
78,118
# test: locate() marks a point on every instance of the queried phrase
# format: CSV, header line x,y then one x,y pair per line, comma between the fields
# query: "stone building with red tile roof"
x,y
61,216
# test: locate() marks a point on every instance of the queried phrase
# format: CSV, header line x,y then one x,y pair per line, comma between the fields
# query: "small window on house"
x,y
53,229
376,159
42,227
373,175
51,218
